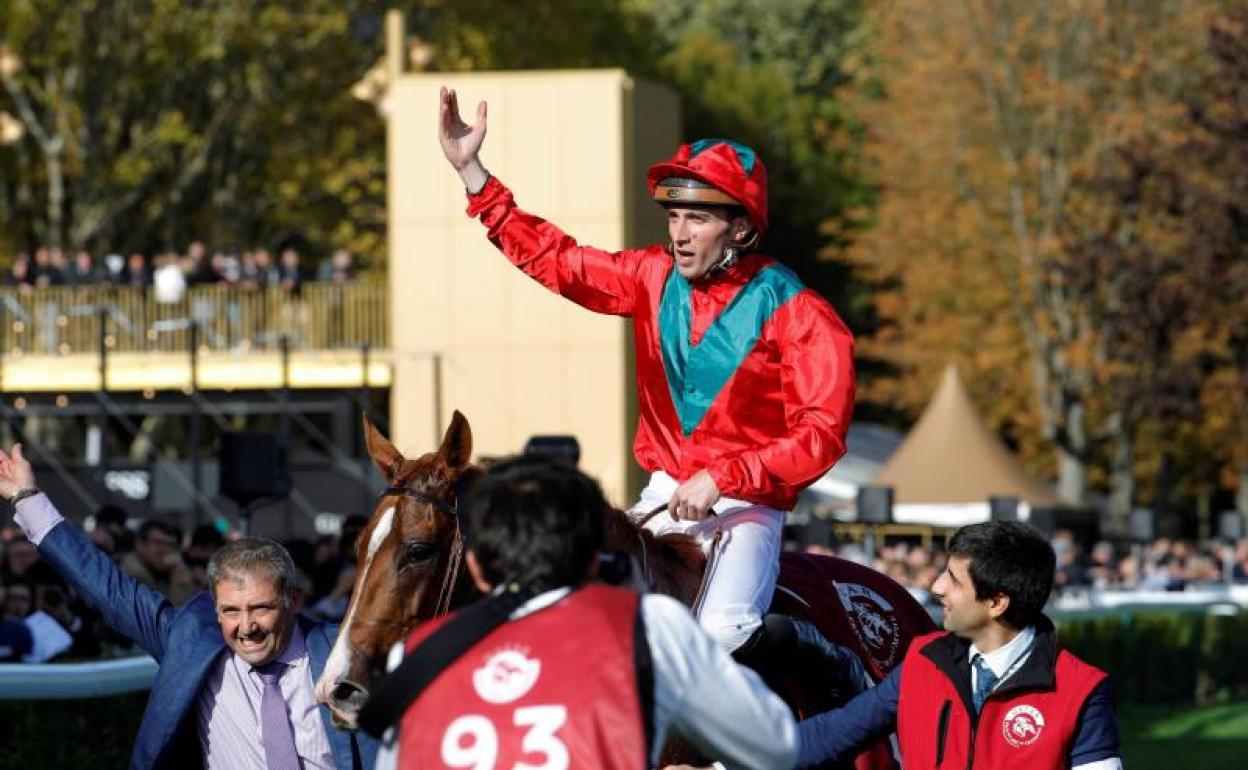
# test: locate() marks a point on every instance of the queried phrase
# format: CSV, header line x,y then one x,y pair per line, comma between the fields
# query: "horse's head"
x,y
407,563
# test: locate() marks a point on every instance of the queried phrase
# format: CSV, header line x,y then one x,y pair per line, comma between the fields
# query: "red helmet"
x,y
734,173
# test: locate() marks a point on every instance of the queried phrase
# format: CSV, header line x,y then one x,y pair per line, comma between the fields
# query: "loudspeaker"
x,y
1230,525
1142,525
1043,519
561,448
1003,508
818,531
875,505
253,465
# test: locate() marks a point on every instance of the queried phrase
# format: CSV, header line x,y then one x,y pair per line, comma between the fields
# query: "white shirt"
x,y
700,693
168,284
1004,660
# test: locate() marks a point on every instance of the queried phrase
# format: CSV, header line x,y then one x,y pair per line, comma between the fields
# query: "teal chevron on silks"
x,y
697,373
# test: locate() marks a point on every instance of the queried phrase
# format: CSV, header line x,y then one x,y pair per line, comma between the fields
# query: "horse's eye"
x,y
417,552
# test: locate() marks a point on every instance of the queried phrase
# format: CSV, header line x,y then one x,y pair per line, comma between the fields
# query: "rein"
x,y
712,557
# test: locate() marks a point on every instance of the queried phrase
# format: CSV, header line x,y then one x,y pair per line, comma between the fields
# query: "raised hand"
x,y
460,141
15,472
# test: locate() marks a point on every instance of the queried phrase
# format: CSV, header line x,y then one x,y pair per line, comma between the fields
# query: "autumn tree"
x,y
994,117
1218,156
150,123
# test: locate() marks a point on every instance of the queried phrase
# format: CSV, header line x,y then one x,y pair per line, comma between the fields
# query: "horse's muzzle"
x,y
345,702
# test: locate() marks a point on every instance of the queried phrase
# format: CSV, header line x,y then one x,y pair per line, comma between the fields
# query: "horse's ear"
x,y
456,449
385,456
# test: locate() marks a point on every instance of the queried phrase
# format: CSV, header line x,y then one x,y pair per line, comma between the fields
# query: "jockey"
x,y
745,378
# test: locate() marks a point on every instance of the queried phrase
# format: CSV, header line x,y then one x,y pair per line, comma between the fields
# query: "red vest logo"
x,y
873,620
506,675
1022,726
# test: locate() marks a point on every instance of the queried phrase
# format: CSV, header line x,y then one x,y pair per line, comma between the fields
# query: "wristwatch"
x,y
22,494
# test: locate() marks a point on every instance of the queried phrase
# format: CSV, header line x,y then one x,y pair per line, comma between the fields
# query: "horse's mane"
x,y
672,563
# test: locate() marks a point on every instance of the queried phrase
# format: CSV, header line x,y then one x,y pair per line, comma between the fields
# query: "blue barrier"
x,y
56,681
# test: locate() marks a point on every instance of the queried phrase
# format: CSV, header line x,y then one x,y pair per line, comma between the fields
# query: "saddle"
x,y
854,608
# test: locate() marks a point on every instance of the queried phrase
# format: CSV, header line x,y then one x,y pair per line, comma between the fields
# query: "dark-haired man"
x,y
157,563
995,689
554,671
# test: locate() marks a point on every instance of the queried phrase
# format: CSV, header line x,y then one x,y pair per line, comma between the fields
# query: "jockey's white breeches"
x,y
743,574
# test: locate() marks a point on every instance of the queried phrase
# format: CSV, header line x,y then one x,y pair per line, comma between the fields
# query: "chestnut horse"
x,y
408,571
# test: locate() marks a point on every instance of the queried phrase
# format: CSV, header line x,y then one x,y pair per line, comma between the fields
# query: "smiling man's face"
x,y
255,621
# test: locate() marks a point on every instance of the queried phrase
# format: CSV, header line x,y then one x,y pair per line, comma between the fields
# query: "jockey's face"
x,y
965,615
699,235
255,621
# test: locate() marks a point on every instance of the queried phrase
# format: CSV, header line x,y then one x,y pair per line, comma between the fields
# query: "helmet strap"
x,y
731,254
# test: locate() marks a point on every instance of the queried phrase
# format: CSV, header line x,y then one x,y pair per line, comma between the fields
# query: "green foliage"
x,y
166,122
770,74
1166,657
91,732
234,122
536,34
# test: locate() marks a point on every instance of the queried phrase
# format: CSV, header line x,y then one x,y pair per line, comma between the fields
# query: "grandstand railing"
x,y
66,320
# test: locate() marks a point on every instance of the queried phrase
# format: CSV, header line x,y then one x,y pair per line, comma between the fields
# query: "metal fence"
x,y
67,320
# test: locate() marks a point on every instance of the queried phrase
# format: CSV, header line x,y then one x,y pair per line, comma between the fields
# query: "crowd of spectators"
x,y
42,620
170,272
1166,564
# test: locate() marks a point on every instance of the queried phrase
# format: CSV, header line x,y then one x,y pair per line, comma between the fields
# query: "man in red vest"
x,y
569,673
745,377
996,689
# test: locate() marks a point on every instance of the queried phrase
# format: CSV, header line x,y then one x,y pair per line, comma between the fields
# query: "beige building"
x,y
471,332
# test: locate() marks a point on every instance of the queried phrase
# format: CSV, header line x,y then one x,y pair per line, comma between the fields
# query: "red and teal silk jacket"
x,y
748,374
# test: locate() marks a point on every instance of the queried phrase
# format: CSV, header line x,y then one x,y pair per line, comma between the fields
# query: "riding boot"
x,y
787,645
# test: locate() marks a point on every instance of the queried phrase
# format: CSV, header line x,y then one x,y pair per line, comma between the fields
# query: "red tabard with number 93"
x,y
553,690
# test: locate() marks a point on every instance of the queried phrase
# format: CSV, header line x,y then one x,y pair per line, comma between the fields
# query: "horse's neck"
x,y
671,564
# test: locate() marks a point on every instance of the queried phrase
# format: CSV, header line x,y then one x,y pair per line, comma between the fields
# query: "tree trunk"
x,y
1241,495
1072,464
56,197
1121,482
1169,519
1072,477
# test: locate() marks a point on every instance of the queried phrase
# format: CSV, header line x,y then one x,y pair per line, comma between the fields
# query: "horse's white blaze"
x,y
340,656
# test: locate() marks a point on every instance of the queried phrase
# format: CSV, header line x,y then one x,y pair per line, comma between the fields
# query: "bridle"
x,y
424,497
451,577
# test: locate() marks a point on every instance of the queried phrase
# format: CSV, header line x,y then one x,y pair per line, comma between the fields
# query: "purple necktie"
x,y
276,734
